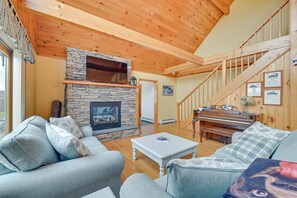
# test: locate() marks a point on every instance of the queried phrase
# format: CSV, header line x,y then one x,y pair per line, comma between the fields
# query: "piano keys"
x,y
223,122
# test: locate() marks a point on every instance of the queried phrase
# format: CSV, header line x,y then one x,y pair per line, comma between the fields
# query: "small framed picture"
x,y
254,89
273,97
273,79
168,90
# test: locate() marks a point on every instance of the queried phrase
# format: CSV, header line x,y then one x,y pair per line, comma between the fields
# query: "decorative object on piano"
x,y
246,101
228,107
254,89
273,79
207,107
200,109
168,90
272,97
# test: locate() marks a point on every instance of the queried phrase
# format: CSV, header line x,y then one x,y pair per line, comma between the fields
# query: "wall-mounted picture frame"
x,y
168,90
273,79
254,89
272,97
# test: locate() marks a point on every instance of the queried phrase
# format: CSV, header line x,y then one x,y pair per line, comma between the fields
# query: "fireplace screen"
x,y
105,115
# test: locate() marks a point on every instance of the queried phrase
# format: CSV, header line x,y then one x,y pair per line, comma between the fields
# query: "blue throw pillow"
x,y
65,143
27,147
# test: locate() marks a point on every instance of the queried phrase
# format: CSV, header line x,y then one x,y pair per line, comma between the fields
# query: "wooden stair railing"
x,y
225,73
274,20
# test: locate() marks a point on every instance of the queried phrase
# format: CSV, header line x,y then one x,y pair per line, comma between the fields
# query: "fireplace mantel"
x,y
81,82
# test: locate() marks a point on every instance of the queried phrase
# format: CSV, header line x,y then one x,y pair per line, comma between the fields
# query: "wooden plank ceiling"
x,y
183,24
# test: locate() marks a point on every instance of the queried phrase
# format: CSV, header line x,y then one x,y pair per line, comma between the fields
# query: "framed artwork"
x,y
254,89
168,90
273,79
273,97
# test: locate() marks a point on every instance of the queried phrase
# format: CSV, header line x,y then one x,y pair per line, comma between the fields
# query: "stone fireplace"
x,y
110,110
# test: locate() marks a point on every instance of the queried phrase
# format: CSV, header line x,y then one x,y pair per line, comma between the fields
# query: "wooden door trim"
x,y
156,91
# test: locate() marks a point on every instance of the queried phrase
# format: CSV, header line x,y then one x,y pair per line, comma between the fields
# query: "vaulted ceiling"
x,y
182,25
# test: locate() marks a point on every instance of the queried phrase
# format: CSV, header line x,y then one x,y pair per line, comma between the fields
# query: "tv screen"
x,y
106,71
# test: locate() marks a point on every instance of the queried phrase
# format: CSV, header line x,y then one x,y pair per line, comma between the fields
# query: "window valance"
x,y
13,30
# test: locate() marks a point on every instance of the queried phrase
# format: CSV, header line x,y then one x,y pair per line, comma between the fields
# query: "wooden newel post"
x,y
177,113
224,73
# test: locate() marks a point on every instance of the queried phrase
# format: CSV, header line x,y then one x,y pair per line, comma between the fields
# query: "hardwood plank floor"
x,y
144,164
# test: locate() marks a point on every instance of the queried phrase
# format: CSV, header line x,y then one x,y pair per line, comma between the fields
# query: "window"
x,y
5,110
3,93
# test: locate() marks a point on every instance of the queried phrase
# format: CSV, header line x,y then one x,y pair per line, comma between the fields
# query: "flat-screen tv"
x,y
106,71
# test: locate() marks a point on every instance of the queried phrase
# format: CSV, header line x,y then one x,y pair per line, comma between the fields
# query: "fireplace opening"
x,y
105,115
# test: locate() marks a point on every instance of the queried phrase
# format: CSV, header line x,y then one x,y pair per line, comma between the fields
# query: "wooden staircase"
x,y
237,67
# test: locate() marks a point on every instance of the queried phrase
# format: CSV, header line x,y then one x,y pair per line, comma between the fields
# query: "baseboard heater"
x,y
166,121
147,119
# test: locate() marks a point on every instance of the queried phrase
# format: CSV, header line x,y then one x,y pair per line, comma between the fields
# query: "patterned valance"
x,y
12,28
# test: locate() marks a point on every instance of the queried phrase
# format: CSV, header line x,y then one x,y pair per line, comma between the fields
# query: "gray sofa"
x,y
183,180
64,178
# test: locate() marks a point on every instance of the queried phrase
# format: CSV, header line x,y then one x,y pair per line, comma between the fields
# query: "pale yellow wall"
x,y
186,84
166,104
44,81
244,18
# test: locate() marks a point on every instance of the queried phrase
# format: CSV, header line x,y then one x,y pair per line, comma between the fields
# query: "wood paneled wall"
x,y
274,116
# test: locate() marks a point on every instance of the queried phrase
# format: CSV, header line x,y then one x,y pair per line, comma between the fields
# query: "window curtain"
x,y
12,29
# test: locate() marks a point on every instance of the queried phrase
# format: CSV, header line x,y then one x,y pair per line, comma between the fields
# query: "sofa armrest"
x,y
71,178
87,131
235,136
139,185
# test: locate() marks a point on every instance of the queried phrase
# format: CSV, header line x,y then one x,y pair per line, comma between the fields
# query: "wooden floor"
x,y
145,165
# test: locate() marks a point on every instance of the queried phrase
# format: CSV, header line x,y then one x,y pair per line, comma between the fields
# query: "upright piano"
x,y
223,122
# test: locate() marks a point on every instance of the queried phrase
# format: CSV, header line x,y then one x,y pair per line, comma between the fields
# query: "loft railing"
x,y
273,27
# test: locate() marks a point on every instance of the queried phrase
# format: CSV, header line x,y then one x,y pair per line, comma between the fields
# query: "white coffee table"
x,y
163,152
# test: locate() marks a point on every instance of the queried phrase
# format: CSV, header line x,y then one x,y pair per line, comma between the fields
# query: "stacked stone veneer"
x,y
79,97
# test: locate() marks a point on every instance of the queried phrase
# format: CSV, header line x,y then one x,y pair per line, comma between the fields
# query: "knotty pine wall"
x,y
274,116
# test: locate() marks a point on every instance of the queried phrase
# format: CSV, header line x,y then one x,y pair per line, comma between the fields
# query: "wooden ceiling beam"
x,y
68,13
221,6
183,66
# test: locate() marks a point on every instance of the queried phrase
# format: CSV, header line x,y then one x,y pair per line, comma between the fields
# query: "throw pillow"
x,y
260,129
68,124
189,178
65,143
248,147
26,148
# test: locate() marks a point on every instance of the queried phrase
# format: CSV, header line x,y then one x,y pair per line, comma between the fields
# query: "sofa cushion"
x,y
27,148
260,129
287,148
65,143
68,124
248,147
36,121
4,170
190,178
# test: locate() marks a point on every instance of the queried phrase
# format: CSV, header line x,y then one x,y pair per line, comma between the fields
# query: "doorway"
x,y
148,102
